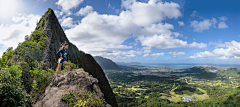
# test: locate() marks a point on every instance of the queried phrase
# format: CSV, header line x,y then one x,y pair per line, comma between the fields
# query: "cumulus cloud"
x,y
143,14
119,55
66,5
154,55
84,11
200,26
159,28
68,22
228,50
101,33
222,18
194,13
162,41
202,55
181,23
223,58
198,45
145,55
203,25
12,34
222,25
177,53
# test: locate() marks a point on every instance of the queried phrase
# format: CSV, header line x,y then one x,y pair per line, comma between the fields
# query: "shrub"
x,y
11,93
43,78
82,98
26,76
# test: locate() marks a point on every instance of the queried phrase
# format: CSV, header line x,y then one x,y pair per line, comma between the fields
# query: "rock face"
x,y
49,24
66,83
106,64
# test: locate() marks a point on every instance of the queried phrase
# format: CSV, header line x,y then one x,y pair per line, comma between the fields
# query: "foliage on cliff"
x,y
106,64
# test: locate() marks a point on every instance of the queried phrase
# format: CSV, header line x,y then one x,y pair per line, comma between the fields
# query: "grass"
x,y
177,98
135,89
82,98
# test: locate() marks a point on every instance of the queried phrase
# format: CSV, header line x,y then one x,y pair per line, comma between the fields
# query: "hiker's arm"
x,y
58,53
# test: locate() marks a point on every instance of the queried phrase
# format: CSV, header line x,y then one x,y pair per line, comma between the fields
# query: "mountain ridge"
x,y
106,64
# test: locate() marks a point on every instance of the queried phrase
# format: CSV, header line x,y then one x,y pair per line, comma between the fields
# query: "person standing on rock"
x,y
63,57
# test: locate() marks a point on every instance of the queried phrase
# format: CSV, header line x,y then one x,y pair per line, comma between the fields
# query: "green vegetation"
x,y
42,79
231,72
12,92
82,98
106,64
202,86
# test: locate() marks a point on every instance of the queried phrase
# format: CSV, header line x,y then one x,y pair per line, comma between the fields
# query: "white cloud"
x,y
143,14
145,55
214,22
116,55
202,55
162,41
222,18
218,44
68,22
201,26
1,53
236,57
42,0
198,45
222,25
15,33
194,13
102,33
84,11
223,58
229,50
154,55
66,5
181,23
58,13
177,53
157,29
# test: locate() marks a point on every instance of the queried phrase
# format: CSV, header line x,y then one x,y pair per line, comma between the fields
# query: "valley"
x,y
152,86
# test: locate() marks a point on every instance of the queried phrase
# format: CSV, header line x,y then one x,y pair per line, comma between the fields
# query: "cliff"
x,y
106,64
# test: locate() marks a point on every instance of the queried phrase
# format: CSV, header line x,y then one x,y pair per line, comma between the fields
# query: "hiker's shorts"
x,y
60,61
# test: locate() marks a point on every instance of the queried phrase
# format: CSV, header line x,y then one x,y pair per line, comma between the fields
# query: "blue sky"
x,y
147,31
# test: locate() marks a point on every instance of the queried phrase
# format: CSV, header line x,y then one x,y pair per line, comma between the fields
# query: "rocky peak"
x,y
73,80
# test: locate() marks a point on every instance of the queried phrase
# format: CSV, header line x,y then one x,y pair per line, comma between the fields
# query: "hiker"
x,y
63,57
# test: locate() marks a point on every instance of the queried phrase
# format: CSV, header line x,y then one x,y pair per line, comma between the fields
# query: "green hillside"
x,y
106,64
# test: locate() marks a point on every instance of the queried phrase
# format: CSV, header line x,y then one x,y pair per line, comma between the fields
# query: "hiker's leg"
x,y
58,68
67,63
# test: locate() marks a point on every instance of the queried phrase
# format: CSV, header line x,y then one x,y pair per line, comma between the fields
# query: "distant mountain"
x,y
229,73
106,64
